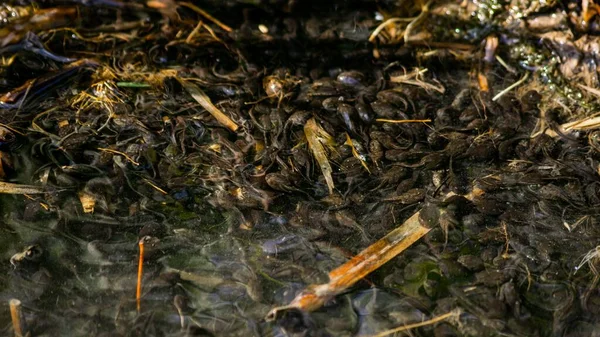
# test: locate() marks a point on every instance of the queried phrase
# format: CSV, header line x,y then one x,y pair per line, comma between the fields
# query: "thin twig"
x,y
402,121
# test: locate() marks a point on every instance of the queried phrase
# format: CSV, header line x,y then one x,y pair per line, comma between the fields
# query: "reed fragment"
x,y
371,258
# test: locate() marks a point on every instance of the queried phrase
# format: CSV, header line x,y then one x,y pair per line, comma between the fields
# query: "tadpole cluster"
x,y
256,145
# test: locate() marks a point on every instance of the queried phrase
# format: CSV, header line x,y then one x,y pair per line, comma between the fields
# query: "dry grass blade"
x,y
402,121
415,77
451,314
386,23
355,153
206,15
590,257
373,257
194,32
390,33
10,188
418,20
584,124
163,192
589,89
318,138
511,87
416,72
103,94
204,100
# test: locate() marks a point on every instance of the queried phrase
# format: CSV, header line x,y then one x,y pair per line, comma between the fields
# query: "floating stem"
x,y
15,314
138,291
346,275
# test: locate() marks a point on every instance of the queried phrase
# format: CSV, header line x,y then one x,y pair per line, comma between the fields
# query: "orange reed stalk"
x,y
138,292
346,275
15,314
